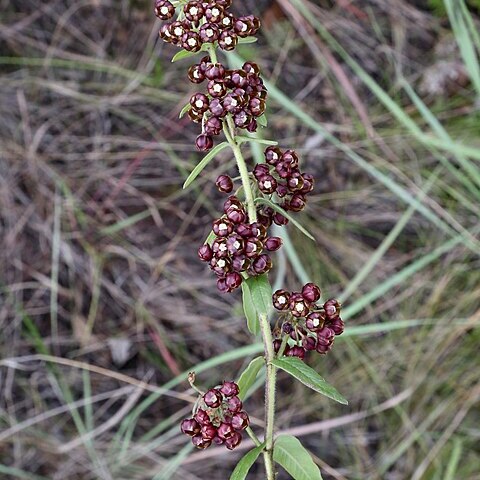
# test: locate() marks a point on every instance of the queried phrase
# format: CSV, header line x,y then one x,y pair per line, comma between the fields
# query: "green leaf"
x,y
247,40
309,377
279,209
211,237
295,459
210,155
184,110
183,54
244,465
250,310
242,139
261,292
262,120
249,375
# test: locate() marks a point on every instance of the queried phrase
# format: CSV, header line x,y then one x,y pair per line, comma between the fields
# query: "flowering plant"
x,y
238,248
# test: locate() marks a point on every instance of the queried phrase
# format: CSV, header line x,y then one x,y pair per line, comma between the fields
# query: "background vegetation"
x,y
103,303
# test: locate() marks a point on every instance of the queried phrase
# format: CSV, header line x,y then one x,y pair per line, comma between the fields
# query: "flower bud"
x,y
224,184
190,427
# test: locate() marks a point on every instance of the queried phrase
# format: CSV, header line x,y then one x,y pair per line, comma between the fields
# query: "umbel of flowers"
x,y
239,246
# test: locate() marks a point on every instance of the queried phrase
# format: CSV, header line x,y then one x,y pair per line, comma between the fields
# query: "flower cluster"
x,y
280,176
309,325
239,93
218,418
238,246
201,22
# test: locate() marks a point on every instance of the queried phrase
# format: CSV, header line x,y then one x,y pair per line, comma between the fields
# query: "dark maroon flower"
x,y
235,245
295,182
209,432
276,345
273,243
204,142
216,107
234,280
209,33
309,343
190,427
311,292
229,389
222,227
224,183
290,158
332,308
205,253
261,170
228,40
297,203
296,352
298,306
222,285
195,74
234,404
267,184
212,398
272,155
215,71
164,9
191,41
201,442
280,219
193,11
225,431
199,102
262,264
325,338
282,190
251,67
240,264
256,106
315,321
202,417
234,441
213,126
281,299
337,325
287,328
214,13
244,230
240,421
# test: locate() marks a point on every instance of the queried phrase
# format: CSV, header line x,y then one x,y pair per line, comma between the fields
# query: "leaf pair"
x,y
289,453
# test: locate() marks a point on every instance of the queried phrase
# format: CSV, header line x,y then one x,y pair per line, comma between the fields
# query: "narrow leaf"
x,y
262,120
261,292
244,465
279,209
249,375
183,54
241,139
184,110
250,310
309,377
211,237
206,160
247,40
295,459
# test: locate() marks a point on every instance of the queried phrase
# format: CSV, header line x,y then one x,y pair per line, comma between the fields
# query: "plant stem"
x,y
229,130
269,396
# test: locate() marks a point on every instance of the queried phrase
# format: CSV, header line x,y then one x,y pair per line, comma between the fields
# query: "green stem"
x,y
229,130
269,396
